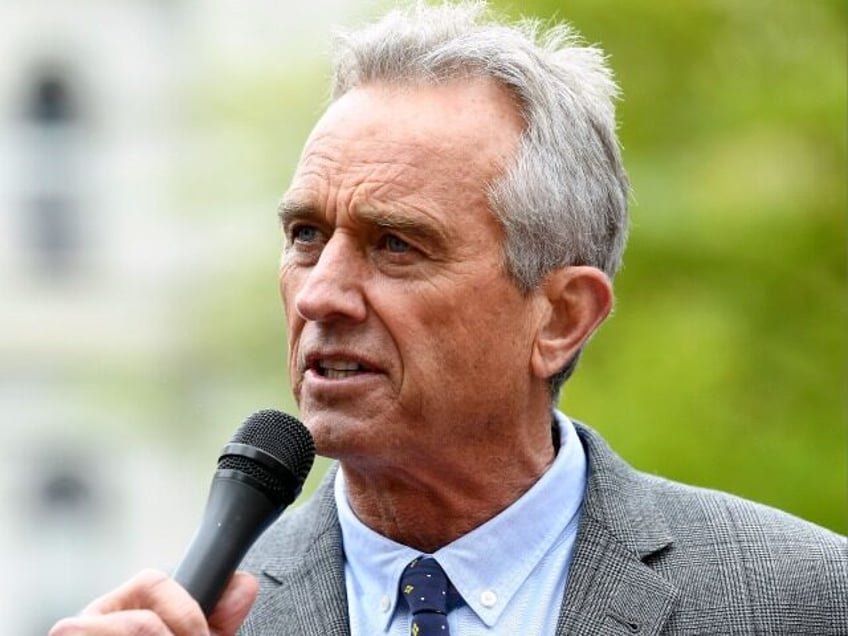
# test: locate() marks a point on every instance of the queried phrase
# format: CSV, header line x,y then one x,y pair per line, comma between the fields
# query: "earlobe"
x,y
578,298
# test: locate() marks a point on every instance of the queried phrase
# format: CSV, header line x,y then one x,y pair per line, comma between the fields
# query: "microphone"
x,y
260,472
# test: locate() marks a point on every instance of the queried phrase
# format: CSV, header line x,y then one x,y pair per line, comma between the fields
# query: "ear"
x,y
578,300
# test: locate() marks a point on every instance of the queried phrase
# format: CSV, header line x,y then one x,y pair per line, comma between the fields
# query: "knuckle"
x,y
145,623
150,577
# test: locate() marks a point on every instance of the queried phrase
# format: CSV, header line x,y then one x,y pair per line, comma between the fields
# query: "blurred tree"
x,y
725,362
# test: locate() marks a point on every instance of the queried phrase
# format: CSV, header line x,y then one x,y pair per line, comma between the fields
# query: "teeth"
x,y
338,365
338,369
333,374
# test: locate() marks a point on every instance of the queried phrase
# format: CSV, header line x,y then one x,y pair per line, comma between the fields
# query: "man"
x,y
451,232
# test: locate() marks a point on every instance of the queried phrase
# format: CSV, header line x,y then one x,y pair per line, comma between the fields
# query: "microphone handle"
x,y
236,514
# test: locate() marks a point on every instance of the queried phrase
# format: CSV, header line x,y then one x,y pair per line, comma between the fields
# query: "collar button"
x,y
488,598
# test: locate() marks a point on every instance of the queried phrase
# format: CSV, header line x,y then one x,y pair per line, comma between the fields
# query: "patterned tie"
x,y
424,585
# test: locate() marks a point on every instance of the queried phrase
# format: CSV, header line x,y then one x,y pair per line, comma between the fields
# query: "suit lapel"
x,y
314,592
610,588
305,591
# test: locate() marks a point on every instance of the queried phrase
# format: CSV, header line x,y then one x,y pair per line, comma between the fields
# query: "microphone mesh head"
x,y
280,435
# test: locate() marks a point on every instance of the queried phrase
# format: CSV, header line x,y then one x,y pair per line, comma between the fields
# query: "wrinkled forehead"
x,y
341,173
472,121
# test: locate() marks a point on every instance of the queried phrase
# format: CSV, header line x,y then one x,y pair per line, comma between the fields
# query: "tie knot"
x,y
424,585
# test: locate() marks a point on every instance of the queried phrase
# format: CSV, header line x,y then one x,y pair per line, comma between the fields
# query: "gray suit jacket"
x,y
652,557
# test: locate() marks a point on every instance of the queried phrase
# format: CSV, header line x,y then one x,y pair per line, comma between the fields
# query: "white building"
x,y
120,214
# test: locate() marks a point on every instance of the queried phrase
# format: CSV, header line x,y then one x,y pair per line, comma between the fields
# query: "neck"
x,y
428,504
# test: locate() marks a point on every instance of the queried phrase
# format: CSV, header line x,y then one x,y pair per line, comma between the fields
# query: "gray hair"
x,y
563,200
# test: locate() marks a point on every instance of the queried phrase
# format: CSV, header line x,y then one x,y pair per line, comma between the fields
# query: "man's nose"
x,y
333,288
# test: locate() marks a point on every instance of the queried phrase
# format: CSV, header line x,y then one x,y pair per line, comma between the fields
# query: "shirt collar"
x,y
488,565
376,561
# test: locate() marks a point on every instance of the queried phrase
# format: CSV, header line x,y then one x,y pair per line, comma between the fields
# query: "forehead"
x,y
446,142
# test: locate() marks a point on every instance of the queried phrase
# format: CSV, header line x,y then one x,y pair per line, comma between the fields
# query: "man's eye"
x,y
304,234
394,244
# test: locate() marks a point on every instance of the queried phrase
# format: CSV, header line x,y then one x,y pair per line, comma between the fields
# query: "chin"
x,y
334,437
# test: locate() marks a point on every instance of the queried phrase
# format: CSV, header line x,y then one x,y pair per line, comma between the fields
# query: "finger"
x,y
235,603
130,595
127,623
155,591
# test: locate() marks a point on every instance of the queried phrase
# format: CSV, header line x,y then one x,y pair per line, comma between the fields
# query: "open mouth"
x,y
338,369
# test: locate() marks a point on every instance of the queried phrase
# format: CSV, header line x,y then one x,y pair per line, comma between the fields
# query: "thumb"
x,y
235,603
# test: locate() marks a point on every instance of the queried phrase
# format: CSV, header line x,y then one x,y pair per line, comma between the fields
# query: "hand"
x,y
153,604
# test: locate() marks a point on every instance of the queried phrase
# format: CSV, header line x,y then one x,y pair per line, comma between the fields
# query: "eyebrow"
x,y
289,211
401,222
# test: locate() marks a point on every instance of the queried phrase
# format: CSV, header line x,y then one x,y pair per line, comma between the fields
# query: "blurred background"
x,y
144,145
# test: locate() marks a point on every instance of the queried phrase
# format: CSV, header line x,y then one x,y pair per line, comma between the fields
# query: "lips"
x,y
337,367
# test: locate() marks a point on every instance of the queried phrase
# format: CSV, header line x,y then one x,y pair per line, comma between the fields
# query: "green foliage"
x,y
725,362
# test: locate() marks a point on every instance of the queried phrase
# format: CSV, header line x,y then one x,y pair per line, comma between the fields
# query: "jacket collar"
x,y
610,589
308,567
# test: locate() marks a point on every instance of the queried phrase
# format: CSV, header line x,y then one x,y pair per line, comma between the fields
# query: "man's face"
x,y
405,332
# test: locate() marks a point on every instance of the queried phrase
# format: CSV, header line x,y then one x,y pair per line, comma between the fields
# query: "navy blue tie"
x,y
424,585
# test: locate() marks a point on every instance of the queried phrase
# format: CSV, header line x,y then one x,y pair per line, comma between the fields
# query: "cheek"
x,y
284,284
444,345
487,335
289,281
293,323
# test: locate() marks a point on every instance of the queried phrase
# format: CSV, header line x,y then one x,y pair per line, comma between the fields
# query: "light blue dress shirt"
x,y
511,571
